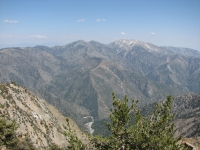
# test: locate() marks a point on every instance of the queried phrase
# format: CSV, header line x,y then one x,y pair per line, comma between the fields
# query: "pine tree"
x,y
74,141
7,133
130,130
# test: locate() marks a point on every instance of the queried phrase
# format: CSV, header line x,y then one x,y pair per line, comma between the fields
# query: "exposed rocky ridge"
x,y
78,78
39,121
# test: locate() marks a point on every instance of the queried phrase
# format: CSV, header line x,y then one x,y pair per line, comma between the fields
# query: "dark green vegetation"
x,y
130,130
78,78
187,114
7,133
9,138
74,142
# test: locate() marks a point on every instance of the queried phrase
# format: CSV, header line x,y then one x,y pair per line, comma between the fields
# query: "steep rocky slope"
x,y
187,110
38,121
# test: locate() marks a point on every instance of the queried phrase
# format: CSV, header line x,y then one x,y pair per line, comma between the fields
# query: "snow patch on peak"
x,y
129,44
126,42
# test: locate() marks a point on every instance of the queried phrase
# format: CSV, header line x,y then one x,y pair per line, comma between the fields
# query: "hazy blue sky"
x,y
58,22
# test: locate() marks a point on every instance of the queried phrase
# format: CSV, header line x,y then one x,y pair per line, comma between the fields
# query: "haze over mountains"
x,y
78,78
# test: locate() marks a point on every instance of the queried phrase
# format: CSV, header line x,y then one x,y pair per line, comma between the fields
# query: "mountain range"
x,y
78,78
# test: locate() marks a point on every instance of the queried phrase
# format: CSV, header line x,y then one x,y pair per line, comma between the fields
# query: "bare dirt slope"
x,y
37,119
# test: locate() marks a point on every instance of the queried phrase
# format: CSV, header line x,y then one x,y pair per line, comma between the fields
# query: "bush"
x,y
7,133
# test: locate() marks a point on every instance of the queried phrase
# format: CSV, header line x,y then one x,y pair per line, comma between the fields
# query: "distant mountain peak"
x,y
128,44
122,42
75,43
94,42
